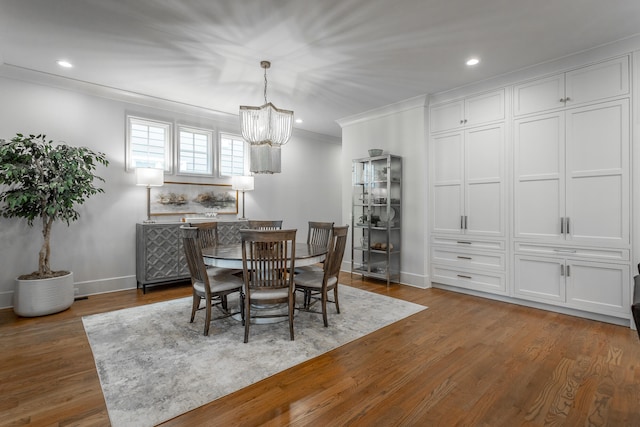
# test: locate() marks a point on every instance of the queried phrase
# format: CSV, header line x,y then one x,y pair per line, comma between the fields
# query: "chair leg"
x,y
324,296
194,308
291,310
207,320
247,319
335,298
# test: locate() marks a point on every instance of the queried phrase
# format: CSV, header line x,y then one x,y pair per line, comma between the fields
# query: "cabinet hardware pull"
x,y
562,99
464,257
562,225
461,121
465,222
461,222
465,120
568,270
562,269
566,251
462,242
464,277
567,99
568,232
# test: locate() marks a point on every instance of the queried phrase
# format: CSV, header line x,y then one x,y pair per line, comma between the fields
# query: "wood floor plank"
x,y
464,361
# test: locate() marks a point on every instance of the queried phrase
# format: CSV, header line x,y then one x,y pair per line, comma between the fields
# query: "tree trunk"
x,y
44,265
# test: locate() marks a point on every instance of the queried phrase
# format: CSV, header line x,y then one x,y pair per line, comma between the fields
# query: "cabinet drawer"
x,y
468,259
594,253
497,245
470,279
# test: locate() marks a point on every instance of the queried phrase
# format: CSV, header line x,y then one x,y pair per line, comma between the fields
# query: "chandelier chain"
x,y
265,85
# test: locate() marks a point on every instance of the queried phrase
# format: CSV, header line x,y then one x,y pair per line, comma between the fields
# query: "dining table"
x,y
230,255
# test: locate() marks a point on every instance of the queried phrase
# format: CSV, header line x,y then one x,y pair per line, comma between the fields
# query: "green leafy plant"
x,y
46,181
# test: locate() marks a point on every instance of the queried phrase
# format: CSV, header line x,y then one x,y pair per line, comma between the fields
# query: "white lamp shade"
x,y
242,183
151,177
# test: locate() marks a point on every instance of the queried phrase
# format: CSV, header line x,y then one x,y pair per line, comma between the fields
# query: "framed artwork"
x,y
181,198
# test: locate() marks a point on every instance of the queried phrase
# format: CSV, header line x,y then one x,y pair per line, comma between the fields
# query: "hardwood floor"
x,y
465,361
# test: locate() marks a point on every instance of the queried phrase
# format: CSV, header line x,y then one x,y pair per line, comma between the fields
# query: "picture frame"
x,y
186,198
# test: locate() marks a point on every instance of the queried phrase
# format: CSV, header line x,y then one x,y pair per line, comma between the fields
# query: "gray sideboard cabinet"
x,y
159,253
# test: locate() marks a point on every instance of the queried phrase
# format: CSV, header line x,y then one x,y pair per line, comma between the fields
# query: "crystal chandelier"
x,y
266,129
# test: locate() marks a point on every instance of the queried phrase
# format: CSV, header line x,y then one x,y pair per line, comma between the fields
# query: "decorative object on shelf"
x,y
242,183
266,129
375,152
149,177
185,198
45,182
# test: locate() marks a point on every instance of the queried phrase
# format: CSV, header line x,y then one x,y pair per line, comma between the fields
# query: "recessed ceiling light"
x,y
64,63
298,120
473,61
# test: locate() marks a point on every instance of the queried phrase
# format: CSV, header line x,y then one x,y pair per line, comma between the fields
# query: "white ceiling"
x,y
330,58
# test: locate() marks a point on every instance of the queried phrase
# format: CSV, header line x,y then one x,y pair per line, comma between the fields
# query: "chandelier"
x,y
266,129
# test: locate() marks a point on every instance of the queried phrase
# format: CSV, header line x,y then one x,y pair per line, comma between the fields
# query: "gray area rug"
x,y
154,365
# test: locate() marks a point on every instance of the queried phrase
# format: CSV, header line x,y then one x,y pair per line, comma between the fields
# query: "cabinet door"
x,y
539,279
539,95
448,182
539,176
599,288
599,81
449,116
597,144
485,108
484,204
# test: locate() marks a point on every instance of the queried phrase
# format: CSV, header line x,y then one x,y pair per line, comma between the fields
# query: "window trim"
x,y
245,166
211,151
168,144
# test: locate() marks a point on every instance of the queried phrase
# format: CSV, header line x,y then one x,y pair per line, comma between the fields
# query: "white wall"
x,y
398,129
100,247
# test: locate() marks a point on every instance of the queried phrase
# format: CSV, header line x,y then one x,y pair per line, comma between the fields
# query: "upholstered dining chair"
x,y
267,258
318,233
213,288
317,284
259,224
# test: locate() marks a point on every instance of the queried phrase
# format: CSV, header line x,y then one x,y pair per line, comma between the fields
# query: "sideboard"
x,y
159,255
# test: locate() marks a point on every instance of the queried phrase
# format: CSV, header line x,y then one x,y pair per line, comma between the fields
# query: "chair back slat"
x,y
333,261
319,233
259,224
193,254
207,233
267,258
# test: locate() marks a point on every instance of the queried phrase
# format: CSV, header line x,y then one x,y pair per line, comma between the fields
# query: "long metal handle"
x,y
461,222
568,230
466,221
568,270
462,242
561,225
464,277
562,269
464,257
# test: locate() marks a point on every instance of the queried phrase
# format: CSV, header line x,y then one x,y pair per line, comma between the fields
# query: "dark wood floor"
x,y
465,361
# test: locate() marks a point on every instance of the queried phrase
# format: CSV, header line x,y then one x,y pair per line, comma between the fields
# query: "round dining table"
x,y
230,256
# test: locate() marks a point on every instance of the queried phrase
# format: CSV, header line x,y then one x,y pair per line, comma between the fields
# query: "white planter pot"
x,y
43,296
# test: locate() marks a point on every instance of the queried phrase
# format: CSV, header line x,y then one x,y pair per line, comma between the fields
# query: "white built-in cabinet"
x,y
468,192
557,229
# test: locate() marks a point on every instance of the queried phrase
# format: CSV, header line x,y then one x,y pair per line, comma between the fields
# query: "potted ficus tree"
x,y
43,181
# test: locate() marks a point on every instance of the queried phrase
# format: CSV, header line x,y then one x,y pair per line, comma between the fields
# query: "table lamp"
x,y
242,183
150,177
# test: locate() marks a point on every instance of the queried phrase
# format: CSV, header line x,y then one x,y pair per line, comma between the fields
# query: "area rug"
x,y
154,365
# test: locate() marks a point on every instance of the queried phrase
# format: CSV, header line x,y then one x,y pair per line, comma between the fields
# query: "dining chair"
x,y
213,288
318,233
208,236
267,257
317,284
255,224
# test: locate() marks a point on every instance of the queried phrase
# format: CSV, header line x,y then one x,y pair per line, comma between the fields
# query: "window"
x,y
148,144
234,159
195,154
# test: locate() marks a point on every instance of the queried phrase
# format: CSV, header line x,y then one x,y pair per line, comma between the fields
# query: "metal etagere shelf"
x,y
376,217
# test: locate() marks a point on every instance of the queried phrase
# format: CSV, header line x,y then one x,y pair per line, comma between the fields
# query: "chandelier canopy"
x,y
266,129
